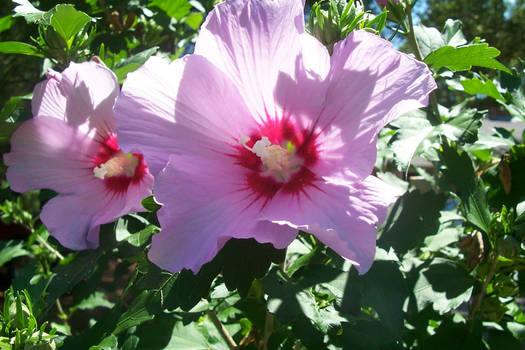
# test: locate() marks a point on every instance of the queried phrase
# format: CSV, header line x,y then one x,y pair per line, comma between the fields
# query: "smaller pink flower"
x,y
70,147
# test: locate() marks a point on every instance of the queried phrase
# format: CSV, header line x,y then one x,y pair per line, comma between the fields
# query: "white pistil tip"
x,y
100,171
260,147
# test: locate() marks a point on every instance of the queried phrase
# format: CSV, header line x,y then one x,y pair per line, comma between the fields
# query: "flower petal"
x,y
370,84
253,42
74,219
203,206
83,94
49,153
343,216
157,118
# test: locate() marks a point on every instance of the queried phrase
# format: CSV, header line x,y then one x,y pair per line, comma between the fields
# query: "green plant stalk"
x,y
491,274
433,115
222,330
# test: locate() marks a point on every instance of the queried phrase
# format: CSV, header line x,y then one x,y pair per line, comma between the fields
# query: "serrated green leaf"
x,y
150,204
444,284
475,86
173,8
463,58
11,249
413,217
68,22
16,47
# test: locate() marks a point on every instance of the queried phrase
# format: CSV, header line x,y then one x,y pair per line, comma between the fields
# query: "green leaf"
x,y
244,260
194,20
452,34
108,343
428,39
455,336
385,291
11,249
413,135
150,204
140,238
131,63
5,23
463,58
173,8
67,21
93,301
366,334
413,217
502,340
459,173
16,47
476,86
444,284
7,129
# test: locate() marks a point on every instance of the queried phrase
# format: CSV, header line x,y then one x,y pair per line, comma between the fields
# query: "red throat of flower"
x,y
278,157
118,170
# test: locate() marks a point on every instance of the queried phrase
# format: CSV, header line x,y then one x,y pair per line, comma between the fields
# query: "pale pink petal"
x,y
343,216
91,90
48,99
280,235
84,94
209,112
48,153
253,42
69,219
370,84
74,219
203,206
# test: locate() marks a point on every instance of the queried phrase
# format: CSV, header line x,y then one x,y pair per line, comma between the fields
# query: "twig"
x,y
63,316
479,299
222,330
433,115
268,327
50,248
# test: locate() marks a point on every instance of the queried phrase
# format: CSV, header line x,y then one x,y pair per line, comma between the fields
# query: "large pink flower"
x,y
70,147
265,133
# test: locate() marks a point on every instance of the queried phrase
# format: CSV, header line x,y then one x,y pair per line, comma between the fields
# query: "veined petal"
x,y
370,84
74,219
156,117
84,94
253,42
49,153
343,216
203,206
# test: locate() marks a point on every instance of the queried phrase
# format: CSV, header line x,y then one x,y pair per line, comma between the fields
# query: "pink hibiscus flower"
x,y
70,147
265,134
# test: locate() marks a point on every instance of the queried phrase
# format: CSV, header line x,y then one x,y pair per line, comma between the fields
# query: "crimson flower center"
x,y
117,169
279,162
118,165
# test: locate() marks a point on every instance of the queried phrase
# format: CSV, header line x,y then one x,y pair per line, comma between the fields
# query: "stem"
x,y
433,115
63,316
268,327
50,248
477,304
222,330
